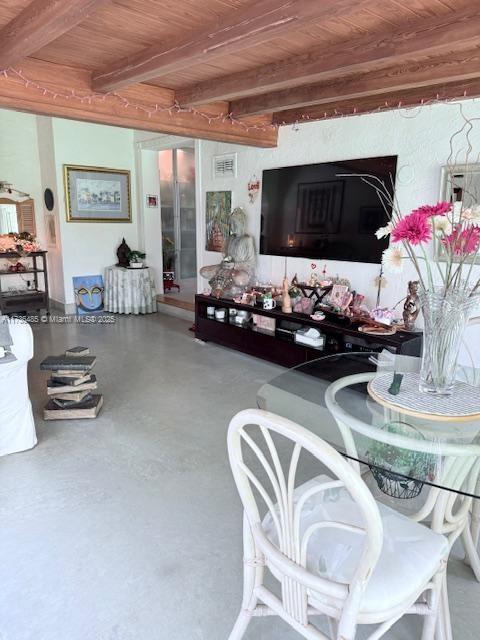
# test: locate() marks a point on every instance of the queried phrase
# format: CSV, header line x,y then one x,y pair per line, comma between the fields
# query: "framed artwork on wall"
x,y
217,219
151,201
460,185
97,194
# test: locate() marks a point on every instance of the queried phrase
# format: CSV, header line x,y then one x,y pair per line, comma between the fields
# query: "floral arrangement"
x,y
456,229
22,243
449,289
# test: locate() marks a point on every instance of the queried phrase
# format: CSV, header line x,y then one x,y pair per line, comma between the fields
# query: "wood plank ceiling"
x,y
233,69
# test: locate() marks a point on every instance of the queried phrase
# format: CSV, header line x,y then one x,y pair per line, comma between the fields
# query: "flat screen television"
x,y
310,211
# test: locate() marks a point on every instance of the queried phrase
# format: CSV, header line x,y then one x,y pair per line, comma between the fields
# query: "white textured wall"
x,y
19,164
88,248
151,230
48,175
32,154
420,138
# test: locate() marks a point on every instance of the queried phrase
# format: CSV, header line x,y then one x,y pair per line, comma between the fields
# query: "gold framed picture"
x,y
97,194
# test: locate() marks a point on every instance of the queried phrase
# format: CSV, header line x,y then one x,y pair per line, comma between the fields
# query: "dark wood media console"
x,y
279,347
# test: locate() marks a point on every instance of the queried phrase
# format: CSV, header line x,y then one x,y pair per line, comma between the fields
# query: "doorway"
x,y
178,213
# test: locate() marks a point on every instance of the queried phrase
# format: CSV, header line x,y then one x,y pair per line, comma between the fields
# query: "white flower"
x,y
392,259
442,224
471,215
383,232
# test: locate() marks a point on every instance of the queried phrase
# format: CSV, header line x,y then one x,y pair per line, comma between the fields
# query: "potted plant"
x,y
136,259
398,472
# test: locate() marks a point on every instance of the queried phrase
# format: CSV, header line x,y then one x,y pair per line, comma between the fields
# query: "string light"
x,y
176,108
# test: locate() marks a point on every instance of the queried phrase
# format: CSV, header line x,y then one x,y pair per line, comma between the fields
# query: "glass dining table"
x,y
411,446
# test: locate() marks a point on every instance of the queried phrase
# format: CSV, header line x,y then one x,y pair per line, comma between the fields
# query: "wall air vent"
x,y
225,166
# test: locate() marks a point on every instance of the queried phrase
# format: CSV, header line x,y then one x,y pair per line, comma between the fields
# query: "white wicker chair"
x,y
324,540
446,511
469,371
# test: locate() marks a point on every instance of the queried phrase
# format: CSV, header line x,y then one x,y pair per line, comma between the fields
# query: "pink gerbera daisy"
x,y
439,209
463,242
414,228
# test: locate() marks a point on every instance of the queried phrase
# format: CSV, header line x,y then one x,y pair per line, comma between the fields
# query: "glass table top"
x,y
368,407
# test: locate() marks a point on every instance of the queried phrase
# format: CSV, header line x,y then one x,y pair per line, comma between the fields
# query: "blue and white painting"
x,y
89,294
95,194
98,195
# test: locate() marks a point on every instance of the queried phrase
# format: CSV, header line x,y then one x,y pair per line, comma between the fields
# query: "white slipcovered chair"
x,y
17,427
333,549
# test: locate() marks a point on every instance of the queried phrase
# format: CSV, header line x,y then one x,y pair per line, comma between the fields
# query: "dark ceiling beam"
x,y
385,102
425,73
454,31
41,22
258,22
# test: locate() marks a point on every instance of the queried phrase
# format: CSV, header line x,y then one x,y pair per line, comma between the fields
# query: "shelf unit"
x,y
24,301
279,347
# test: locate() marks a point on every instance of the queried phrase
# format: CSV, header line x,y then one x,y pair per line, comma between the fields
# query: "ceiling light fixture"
x,y
7,189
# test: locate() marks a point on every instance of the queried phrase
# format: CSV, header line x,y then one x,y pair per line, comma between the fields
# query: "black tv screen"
x,y
310,211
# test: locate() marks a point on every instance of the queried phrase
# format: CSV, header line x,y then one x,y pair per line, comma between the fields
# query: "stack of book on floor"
x,y
71,385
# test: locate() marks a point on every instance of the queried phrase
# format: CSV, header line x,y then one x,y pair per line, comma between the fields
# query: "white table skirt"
x,y
129,290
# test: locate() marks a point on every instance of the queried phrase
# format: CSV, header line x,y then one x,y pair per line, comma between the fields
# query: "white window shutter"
x,y
26,216
225,166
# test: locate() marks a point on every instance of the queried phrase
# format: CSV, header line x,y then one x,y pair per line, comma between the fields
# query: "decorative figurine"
x,y
394,388
313,280
295,291
237,269
123,253
222,281
411,308
286,301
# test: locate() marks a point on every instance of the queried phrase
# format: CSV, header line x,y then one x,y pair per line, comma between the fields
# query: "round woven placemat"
x,y
462,405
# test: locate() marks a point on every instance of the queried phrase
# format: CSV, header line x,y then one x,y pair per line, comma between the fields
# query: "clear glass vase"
x,y
445,315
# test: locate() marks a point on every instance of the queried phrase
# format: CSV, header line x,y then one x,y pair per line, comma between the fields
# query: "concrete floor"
x,y
188,289
128,527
